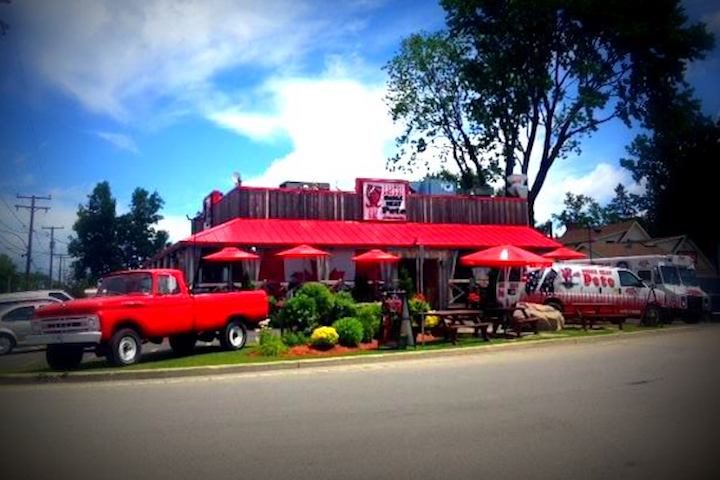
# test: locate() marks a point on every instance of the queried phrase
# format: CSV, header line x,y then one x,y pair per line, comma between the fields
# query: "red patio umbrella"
x,y
305,251
230,254
505,257
376,256
302,251
564,253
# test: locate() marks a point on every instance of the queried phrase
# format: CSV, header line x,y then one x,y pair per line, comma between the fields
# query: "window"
x,y
168,285
688,277
627,279
657,276
19,314
670,275
548,285
645,275
60,296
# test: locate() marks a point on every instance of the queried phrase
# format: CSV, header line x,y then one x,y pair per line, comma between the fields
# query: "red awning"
x,y
336,233
376,256
231,254
564,253
504,256
302,251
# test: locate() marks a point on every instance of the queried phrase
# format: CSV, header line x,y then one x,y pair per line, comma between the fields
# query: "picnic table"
x,y
452,320
591,312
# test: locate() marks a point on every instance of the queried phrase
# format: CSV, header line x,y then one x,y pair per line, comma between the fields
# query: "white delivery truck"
x,y
673,275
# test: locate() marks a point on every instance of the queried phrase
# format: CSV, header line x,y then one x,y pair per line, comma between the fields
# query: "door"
x,y
633,292
18,320
172,309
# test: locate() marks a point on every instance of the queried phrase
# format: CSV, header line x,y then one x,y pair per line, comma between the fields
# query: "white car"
x,y
15,323
7,299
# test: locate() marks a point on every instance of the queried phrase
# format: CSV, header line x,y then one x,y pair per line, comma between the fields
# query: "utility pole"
x,y
32,207
60,264
52,248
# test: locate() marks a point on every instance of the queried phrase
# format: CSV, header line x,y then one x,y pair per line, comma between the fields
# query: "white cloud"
x,y
115,56
598,184
121,141
339,128
177,226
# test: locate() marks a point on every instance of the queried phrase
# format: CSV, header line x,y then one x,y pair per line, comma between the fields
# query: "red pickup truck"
x,y
136,306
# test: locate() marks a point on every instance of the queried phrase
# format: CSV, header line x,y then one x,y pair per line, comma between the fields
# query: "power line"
x,y
32,207
13,212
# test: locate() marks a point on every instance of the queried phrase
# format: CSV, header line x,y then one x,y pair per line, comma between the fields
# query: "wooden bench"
x,y
502,316
590,313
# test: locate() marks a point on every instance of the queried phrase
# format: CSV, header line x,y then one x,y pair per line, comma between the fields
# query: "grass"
x,y
211,355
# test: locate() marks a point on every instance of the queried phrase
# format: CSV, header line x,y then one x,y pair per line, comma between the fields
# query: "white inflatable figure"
x,y
517,185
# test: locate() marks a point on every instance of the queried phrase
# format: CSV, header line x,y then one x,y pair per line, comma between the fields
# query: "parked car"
x,y
34,295
15,323
136,306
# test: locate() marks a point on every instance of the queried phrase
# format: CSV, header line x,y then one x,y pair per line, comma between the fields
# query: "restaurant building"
x,y
429,232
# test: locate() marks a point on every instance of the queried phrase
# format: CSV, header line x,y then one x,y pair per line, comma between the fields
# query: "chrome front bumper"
x,y
55,338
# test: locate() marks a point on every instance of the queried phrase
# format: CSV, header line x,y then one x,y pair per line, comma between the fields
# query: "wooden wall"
x,y
247,202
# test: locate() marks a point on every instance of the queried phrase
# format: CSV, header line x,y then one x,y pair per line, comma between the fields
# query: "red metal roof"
x,y
282,232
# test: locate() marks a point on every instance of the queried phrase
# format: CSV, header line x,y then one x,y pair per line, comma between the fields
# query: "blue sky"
x,y
175,96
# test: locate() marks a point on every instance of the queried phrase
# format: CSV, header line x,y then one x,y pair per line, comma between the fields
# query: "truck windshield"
x,y
687,275
670,275
125,284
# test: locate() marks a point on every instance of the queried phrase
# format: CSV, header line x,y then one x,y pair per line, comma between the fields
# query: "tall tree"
x,y
674,160
580,211
105,242
544,75
139,240
95,245
429,96
623,206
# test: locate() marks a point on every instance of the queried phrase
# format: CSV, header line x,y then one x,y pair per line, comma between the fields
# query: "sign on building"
x,y
383,200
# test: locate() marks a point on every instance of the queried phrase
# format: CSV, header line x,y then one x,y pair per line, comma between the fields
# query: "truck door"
x,y
633,292
173,312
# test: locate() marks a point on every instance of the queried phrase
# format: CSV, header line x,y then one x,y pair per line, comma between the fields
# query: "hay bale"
x,y
550,319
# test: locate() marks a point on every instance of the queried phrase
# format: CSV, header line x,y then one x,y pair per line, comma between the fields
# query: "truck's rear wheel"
x,y
233,336
183,344
64,357
125,347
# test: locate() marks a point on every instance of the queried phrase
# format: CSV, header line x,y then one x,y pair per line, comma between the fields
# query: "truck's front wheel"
x,y
64,357
125,347
234,336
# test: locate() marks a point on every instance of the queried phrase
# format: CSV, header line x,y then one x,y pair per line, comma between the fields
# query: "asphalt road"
x,y
633,407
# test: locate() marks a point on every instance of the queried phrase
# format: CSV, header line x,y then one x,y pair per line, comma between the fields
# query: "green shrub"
x,y
292,339
324,338
349,330
322,297
344,306
270,345
369,315
299,313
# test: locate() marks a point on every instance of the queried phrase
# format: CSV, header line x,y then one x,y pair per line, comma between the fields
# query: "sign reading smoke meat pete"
x,y
383,200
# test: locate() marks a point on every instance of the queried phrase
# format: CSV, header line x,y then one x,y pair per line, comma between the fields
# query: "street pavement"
x,y
639,406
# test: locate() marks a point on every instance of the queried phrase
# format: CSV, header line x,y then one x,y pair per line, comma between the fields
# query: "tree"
x,y
95,246
427,93
674,161
105,242
623,206
580,210
138,238
9,278
544,75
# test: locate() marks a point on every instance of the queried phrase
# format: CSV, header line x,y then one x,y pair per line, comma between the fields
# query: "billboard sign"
x,y
383,200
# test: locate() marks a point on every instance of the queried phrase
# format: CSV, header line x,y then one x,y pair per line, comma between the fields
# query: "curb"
x,y
160,374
